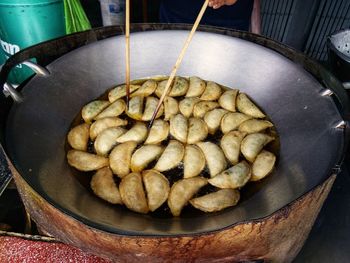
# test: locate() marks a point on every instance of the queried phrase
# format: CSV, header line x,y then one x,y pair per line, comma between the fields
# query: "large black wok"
x,y
290,88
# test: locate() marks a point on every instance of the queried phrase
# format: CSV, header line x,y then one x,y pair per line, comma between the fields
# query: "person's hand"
x,y
219,3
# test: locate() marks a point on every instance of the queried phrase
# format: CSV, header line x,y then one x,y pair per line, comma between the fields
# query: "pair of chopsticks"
x,y
178,61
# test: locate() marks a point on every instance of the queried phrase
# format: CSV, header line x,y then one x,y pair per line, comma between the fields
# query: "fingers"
x,y
219,3
216,3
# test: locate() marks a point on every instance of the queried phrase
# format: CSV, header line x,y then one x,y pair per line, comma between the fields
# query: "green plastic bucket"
x,y
24,23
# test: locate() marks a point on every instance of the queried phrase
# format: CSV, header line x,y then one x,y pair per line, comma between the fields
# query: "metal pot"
x,y
306,103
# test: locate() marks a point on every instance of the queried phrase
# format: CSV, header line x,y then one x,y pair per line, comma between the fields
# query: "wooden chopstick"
x,y
127,50
179,60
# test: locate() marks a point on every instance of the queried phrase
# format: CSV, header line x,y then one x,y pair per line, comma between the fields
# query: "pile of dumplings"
x,y
213,135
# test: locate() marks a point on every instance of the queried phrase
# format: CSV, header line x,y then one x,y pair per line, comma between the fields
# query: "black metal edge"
x,y
333,48
301,59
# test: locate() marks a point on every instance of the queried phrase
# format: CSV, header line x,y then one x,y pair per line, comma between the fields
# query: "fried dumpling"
x,y
234,177
213,119
92,109
157,188
113,110
171,157
103,185
86,162
137,133
246,106
120,158
171,107
150,107
212,91
158,132
216,201
179,88
231,145
254,125
135,109
202,107
161,87
182,191
133,194
253,143
263,165
147,89
186,106
227,100
197,130
106,140
100,125
120,92
78,137
179,127
145,155
194,161
232,120
214,157
196,87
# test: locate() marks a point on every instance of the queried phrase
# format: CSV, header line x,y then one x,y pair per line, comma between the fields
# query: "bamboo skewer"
x,y
179,60
127,50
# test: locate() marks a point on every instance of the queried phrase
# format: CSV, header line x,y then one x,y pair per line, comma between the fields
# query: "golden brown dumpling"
x,y
214,157
92,109
171,107
171,157
145,155
196,87
234,177
186,106
197,130
78,137
194,161
216,201
182,191
107,139
232,120
253,143
202,107
113,110
157,188
100,125
135,109
147,89
227,100
179,127
212,91
231,145
103,185
213,119
263,165
120,92
254,125
120,158
137,133
86,162
158,132
133,194
246,106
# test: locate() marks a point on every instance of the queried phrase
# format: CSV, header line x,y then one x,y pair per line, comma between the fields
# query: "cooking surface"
x,y
310,145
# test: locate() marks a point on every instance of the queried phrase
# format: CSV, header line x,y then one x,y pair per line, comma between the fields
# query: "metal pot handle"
x,y
10,90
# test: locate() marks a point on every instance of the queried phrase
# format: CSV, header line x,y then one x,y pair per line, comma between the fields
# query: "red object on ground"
x,y
19,250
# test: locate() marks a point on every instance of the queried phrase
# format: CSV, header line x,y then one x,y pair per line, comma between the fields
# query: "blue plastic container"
x,y
24,23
